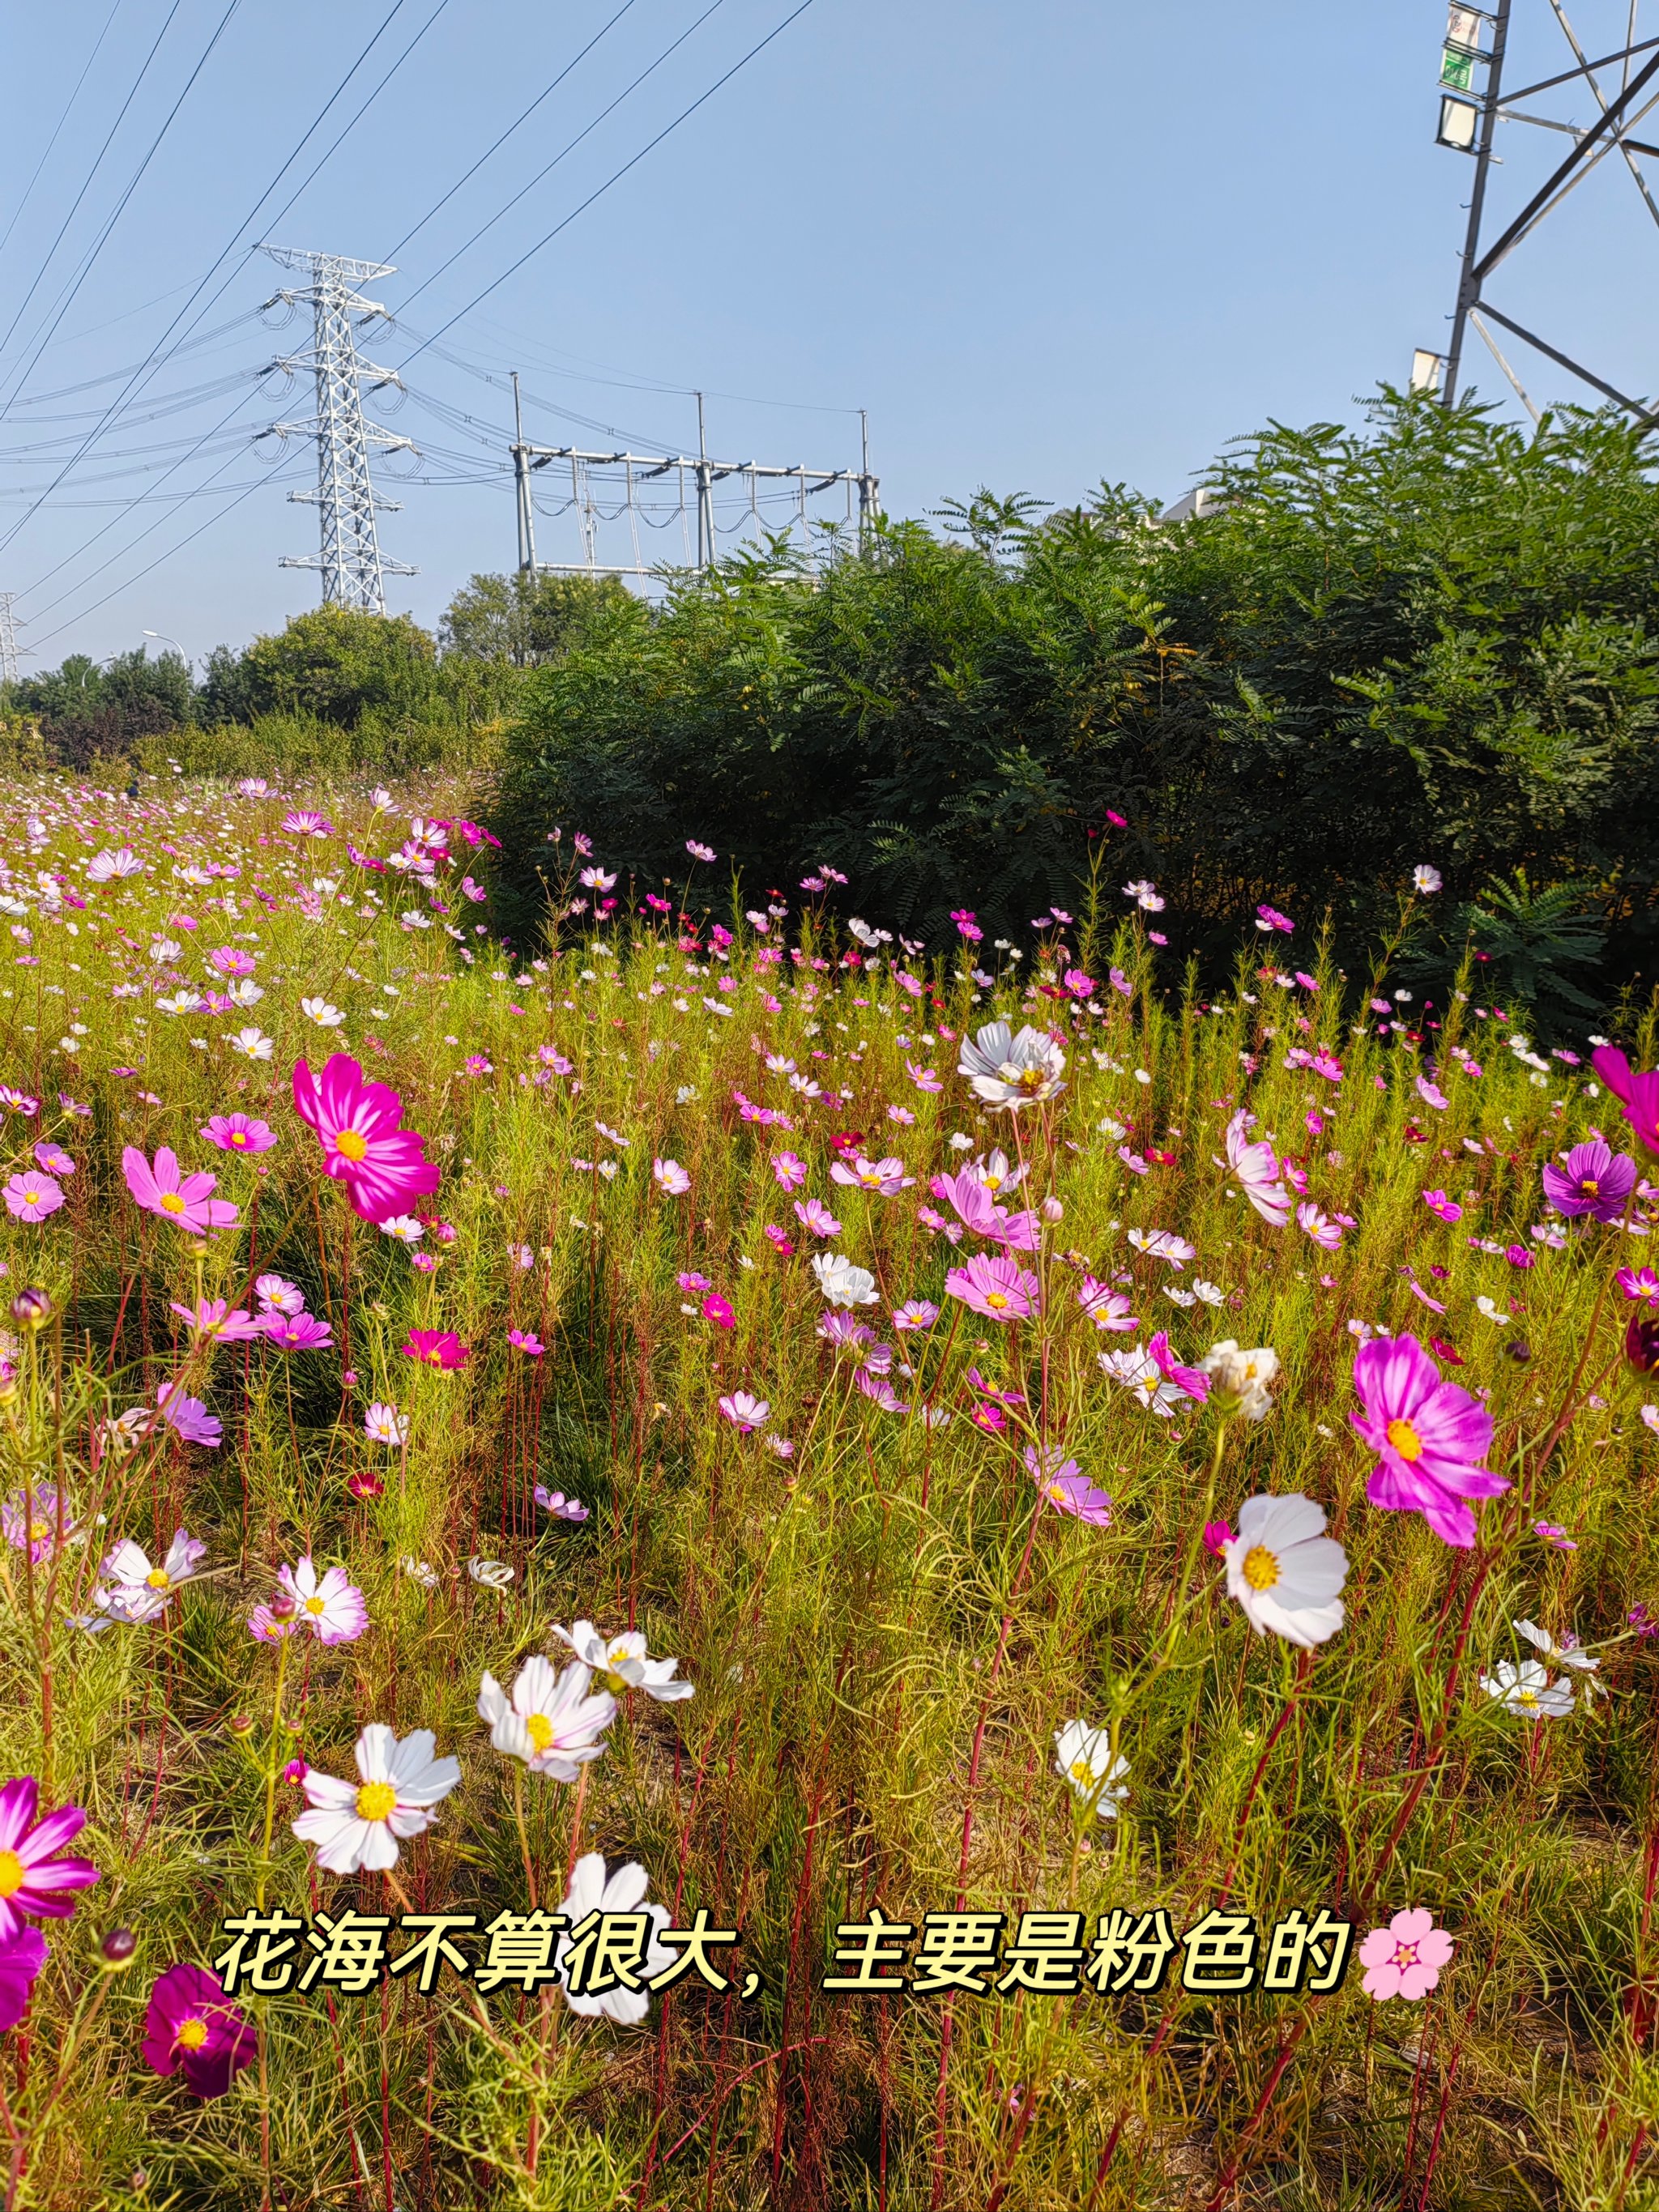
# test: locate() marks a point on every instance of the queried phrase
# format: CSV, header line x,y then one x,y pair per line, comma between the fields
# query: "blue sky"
x,y
1043,244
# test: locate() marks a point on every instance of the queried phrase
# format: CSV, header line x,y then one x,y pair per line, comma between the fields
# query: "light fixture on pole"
x,y
1427,370
162,638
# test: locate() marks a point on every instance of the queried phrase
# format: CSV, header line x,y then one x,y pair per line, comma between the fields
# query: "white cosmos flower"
x,y
494,1574
1256,1167
1240,1378
550,1721
1083,1756
1211,1293
1490,1310
1526,1692
251,1044
1557,1654
386,1424
181,1002
1426,879
419,1571
245,992
624,1892
139,1591
403,1226
842,1283
1163,1244
320,1012
1013,1071
621,1664
1284,1571
361,1824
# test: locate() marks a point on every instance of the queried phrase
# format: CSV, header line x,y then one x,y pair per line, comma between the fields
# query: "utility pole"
x,y
705,497
348,556
521,487
1468,285
9,670
866,481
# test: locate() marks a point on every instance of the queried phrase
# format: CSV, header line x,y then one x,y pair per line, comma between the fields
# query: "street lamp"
x,y
161,636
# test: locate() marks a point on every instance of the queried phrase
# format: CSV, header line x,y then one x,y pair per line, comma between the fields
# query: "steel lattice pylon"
x,y
9,667
349,557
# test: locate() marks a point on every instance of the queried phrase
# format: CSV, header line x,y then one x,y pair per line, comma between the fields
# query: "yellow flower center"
x,y
31,1198
1404,1439
376,1801
171,1202
1082,1773
13,1874
993,1184
1031,1079
38,1531
1260,1568
237,1137
1590,1188
314,1605
158,1578
192,2034
351,1144
1057,1493
995,1300
1526,1697
540,1730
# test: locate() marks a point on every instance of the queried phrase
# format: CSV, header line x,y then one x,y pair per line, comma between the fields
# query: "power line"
x,y
546,94
97,48
103,237
615,176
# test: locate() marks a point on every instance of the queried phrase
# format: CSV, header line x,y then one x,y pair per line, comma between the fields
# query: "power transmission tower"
x,y
632,471
349,557
9,670
1474,100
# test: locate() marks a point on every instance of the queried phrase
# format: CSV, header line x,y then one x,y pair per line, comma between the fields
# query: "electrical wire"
x,y
97,48
616,175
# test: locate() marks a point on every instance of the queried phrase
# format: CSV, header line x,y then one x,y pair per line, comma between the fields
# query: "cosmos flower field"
x,y
1060,1575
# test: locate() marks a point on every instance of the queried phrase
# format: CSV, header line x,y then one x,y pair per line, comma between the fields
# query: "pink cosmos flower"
x,y
789,1168
1217,1535
32,1196
554,1502
276,1294
1596,1180
527,1341
188,1417
1637,1095
1447,1209
886,1177
238,1133
745,1412
815,1218
995,1286
39,1876
1108,1309
719,1311
227,960
670,1178
1065,1489
777,1241
213,1317
1193,1380
915,1313
1639,1284
1325,1232
186,1201
190,2026
1554,1535
693,1281
1256,1167
301,1331
384,1168
436,1348
53,1159
300,822
22,1957
1404,1958
925,1079
1429,1434
1431,1095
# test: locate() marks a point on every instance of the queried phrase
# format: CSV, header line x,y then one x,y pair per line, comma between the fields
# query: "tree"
x,y
337,664
525,622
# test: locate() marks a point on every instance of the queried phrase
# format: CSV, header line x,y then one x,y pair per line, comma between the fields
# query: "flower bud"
x,y
283,1605
295,1771
31,1309
1518,1349
1217,1537
117,1950
1052,1210
1642,1343
241,1724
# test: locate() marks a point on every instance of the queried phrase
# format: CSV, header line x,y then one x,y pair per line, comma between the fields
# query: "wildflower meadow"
x,y
718,1560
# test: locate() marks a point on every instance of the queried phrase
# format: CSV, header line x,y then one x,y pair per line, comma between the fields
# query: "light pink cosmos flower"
x,y
925,1079
745,1412
53,1159
670,1178
1108,1309
384,1425
1432,1095
557,1505
915,1313
886,1177
815,1218
331,1606
137,1591
384,1168
276,1294
1445,1208
995,1286
1325,1232
227,960
1065,1489
186,1201
213,1317
789,1168
1404,1958
238,1133
1256,1167
32,1196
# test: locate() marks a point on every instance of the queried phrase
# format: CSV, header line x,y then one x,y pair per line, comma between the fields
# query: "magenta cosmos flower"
x,y
995,1286
1596,1180
384,1168
186,1201
22,1957
1638,1095
436,1348
34,1875
238,1133
1429,1434
301,1331
32,1196
191,2028
1404,1958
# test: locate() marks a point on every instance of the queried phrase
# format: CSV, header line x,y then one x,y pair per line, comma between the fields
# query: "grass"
x,y
885,1630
